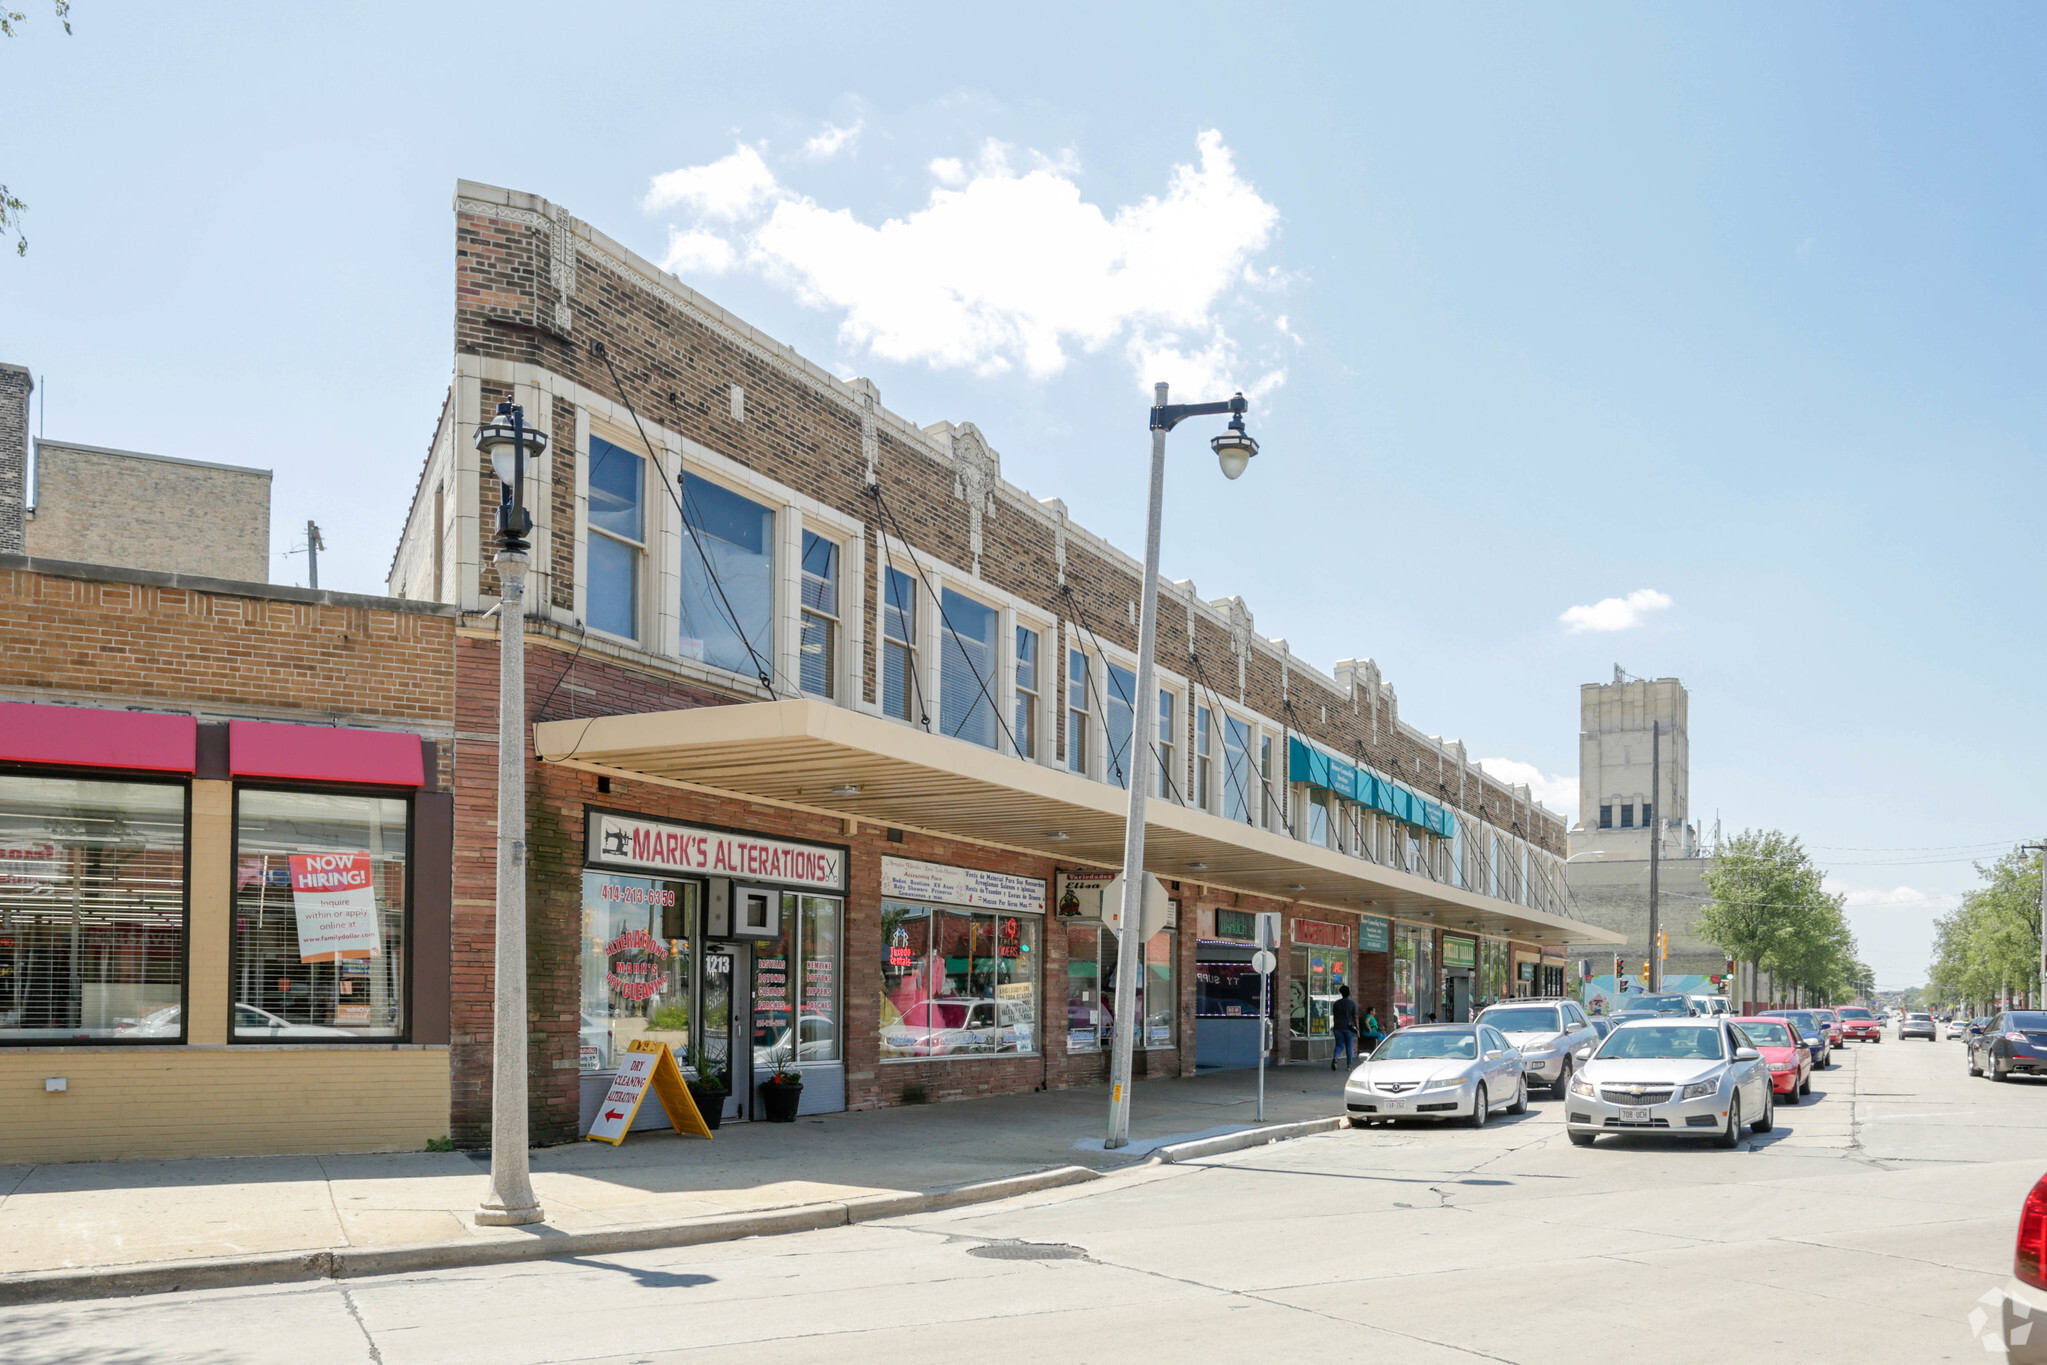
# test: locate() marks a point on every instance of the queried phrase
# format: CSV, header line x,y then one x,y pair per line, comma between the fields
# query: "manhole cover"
x,y
1027,1251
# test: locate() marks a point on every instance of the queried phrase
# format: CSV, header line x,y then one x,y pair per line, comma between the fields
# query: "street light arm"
x,y
1172,414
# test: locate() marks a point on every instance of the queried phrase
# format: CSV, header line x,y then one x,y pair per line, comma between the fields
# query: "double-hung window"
x,y
617,539
1119,718
899,645
1265,781
1168,786
966,669
1025,730
1077,736
1204,765
1627,817
818,653
1237,770
728,578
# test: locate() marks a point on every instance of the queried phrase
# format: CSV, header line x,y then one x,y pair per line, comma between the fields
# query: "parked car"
x,y
1916,1024
1831,1022
1545,1033
1789,1060
1662,1003
1692,1077
2014,1043
1438,1071
1810,1031
2026,1305
1711,1004
1860,1025
957,1027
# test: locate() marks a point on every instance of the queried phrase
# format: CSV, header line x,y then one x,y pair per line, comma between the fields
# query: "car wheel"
x,y
1582,1139
1791,1095
1974,1070
1479,1105
1805,1086
1731,1136
1769,1118
1563,1082
1998,1073
1520,1104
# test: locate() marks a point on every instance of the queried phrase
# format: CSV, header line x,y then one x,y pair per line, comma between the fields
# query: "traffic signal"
x,y
1645,971
1663,945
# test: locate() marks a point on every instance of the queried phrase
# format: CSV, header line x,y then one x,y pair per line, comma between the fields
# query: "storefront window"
x,y
818,1028
319,930
804,959
1414,974
1493,957
636,967
1091,960
1312,991
956,983
92,910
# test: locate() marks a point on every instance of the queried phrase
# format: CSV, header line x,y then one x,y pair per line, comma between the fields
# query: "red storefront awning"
x,y
319,753
92,737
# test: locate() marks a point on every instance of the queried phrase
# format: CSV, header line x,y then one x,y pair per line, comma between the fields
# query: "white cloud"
x,y
731,187
1558,792
702,253
1615,613
833,140
1003,270
1900,895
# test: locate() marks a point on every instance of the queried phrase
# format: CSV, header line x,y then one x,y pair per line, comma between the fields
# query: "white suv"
x,y
1547,1032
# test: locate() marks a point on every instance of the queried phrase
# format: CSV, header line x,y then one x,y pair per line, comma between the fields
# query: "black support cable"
x,y
1216,705
1080,616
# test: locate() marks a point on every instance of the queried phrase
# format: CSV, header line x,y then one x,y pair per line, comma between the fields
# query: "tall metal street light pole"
x,y
1234,448
1655,852
507,443
2040,1000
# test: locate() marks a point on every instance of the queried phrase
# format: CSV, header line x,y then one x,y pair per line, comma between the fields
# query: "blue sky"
x,y
1546,305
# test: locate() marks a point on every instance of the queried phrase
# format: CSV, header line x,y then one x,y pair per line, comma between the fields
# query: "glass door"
x,y
726,1012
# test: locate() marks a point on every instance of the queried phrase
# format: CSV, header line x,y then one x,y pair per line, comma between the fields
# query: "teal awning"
x,y
1351,783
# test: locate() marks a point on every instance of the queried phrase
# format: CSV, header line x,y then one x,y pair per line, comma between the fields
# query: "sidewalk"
x,y
128,1213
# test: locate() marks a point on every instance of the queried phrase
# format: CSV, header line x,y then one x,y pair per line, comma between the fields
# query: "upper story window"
x,y
728,579
1321,818
1648,821
1627,817
1025,729
818,657
1168,785
1119,706
899,646
966,669
1077,736
617,539
1204,766
1265,778
1606,817
1237,770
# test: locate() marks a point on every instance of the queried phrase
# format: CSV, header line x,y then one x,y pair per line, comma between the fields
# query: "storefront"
x,y
1319,968
1460,977
1228,991
725,945
1414,975
1092,951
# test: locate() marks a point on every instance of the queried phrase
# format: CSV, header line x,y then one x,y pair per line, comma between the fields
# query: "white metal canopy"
x,y
814,755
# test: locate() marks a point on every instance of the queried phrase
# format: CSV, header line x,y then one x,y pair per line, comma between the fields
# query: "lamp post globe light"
x,y
507,443
1234,449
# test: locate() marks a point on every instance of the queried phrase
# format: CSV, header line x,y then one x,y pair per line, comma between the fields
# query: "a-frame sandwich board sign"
x,y
647,1065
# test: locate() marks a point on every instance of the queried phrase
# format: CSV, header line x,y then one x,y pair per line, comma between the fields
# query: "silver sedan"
x,y
1681,1077
1438,1071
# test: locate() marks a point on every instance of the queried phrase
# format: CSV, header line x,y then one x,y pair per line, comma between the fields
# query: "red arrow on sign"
x,y
613,1114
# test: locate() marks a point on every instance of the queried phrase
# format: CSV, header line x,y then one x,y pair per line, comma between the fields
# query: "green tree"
x,y
1770,909
1989,945
11,207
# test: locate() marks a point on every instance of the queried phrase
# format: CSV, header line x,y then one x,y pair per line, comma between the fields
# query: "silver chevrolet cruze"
x,y
1438,1071
1699,1077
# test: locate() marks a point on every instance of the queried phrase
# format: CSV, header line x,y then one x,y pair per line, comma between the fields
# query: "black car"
x,y
2013,1043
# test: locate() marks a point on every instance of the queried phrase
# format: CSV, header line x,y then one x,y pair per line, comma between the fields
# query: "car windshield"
x,y
1522,1019
1678,1041
1428,1043
1802,1018
1915,1018
1681,1004
1768,1033
1854,1012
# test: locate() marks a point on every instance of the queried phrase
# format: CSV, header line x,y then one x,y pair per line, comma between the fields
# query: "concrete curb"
x,y
337,1263
1250,1137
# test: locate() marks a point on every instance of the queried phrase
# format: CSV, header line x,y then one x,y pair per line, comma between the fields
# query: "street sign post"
x,y
1262,962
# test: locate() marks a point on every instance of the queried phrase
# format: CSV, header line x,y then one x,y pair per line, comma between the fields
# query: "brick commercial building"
x,y
829,727
224,841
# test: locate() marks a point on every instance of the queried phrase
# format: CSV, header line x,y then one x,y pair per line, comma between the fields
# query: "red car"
x,y
2027,1304
1859,1025
1832,1021
1789,1060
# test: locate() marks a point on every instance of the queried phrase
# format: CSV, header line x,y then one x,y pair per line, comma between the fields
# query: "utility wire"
x,y
1158,756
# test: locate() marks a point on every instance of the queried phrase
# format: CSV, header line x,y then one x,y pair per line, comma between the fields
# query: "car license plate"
x,y
1634,1116
1392,1106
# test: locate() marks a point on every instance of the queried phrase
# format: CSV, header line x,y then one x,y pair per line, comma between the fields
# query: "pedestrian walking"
x,y
1344,1021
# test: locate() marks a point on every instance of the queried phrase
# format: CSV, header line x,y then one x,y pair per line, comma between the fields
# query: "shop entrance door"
x,y
727,1015
1460,995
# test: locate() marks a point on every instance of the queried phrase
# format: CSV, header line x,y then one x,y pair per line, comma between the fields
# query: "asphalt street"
x,y
1864,1229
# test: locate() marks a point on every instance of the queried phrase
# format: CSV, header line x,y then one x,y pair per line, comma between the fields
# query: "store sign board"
x,y
1459,952
1236,924
1374,934
1080,894
627,841
335,902
647,1065
907,879
1321,934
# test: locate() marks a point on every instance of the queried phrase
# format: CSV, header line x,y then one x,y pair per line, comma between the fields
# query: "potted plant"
x,y
707,1085
782,1090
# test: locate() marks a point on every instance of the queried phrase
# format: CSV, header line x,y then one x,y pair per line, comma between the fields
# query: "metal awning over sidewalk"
x,y
817,756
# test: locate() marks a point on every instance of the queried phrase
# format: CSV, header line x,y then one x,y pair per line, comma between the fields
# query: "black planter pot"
x,y
710,1102
780,1101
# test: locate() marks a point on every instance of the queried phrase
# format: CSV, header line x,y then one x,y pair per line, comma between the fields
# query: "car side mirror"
x,y
1584,1053
1495,1055
1746,1054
